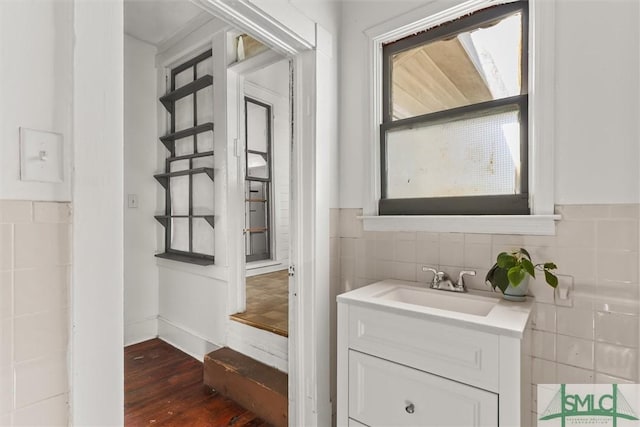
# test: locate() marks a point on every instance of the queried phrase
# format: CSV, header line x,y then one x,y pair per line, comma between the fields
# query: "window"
x,y
455,106
188,179
257,180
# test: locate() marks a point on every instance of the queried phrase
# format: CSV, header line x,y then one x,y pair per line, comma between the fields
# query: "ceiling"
x,y
155,21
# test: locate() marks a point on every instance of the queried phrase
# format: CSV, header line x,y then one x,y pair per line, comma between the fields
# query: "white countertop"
x,y
506,318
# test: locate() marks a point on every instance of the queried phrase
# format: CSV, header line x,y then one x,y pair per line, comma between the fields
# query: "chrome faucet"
x,y
442,281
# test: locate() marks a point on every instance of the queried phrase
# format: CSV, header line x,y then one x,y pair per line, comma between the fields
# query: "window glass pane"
x,y
472,67
184,112
203,162
257,127
180,234
257,244
205,105
256,190
202,194
184,77
202,237
205,67
205,141
179,191
256,206
471,157
179,165
184,146
257,166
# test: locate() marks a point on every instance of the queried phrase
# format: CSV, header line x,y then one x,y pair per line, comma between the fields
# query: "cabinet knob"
x,y
410,408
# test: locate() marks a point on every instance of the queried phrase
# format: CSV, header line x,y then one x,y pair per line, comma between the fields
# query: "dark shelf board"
x,y
170,139
164,219
163,178
191,156
185,258
169,99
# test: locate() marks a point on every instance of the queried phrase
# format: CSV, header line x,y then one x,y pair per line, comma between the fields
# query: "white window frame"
x,y
542,219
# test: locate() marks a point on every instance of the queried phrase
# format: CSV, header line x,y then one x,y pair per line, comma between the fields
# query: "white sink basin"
x,y
483,311
441,300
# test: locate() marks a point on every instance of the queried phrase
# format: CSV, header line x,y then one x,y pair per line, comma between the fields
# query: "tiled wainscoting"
x,y
594,339
35,260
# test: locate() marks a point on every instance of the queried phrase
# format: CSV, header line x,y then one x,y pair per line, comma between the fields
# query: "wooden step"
x,y
257,387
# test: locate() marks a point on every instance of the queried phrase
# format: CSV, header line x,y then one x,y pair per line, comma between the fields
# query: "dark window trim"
x,y
169,253
266,181
517,204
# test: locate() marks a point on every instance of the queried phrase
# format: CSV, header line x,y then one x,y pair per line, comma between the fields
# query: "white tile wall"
x,y
35,258
593,337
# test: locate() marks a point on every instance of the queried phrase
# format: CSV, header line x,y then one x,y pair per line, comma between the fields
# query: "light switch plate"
x,y
41,156
132,201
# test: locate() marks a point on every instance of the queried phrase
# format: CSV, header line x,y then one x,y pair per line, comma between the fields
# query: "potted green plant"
x,y
511,274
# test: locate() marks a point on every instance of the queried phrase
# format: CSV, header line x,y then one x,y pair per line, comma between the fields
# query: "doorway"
x,y
190,311
266,128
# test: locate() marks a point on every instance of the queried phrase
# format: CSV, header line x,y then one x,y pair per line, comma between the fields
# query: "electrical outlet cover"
x,y
41,156
565,283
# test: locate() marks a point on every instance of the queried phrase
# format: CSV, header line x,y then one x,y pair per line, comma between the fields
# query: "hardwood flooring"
x,y
164,387
267,303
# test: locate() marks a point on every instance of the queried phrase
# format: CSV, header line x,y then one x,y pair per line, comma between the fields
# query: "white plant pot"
x,y
517,293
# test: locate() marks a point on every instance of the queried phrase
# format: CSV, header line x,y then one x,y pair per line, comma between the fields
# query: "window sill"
x,y
538,225
185,258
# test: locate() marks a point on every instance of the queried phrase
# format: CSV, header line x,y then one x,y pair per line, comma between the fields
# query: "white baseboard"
x,y
266,347
141,330
184,339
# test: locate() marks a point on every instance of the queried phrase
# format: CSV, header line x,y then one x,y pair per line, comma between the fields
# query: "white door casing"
x,y
283,28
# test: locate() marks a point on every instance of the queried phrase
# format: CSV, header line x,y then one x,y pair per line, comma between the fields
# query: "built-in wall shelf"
x,y
255,200
257,229
256,62
182,145
163,178
170,139
191,156
169,99
164,219
191,259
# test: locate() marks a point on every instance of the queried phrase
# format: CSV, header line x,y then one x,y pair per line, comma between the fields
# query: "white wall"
x,y
193,311
274,77
97,277
596,99
36,81
140,228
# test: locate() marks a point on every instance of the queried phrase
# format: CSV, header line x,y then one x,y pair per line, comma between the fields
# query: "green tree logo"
x,y
565,405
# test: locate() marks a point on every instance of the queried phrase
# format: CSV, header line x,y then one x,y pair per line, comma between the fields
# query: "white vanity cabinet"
x,y
390,394
403,364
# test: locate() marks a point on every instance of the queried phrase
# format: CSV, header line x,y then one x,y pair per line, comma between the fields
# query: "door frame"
x,y
287,31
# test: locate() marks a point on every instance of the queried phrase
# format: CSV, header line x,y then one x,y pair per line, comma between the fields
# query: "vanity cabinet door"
x,y
383,393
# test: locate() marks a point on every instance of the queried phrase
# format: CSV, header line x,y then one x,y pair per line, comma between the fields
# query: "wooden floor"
x,y
267,303
164,387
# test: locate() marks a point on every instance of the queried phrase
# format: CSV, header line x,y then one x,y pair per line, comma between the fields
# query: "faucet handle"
x,y
433,270
465,273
